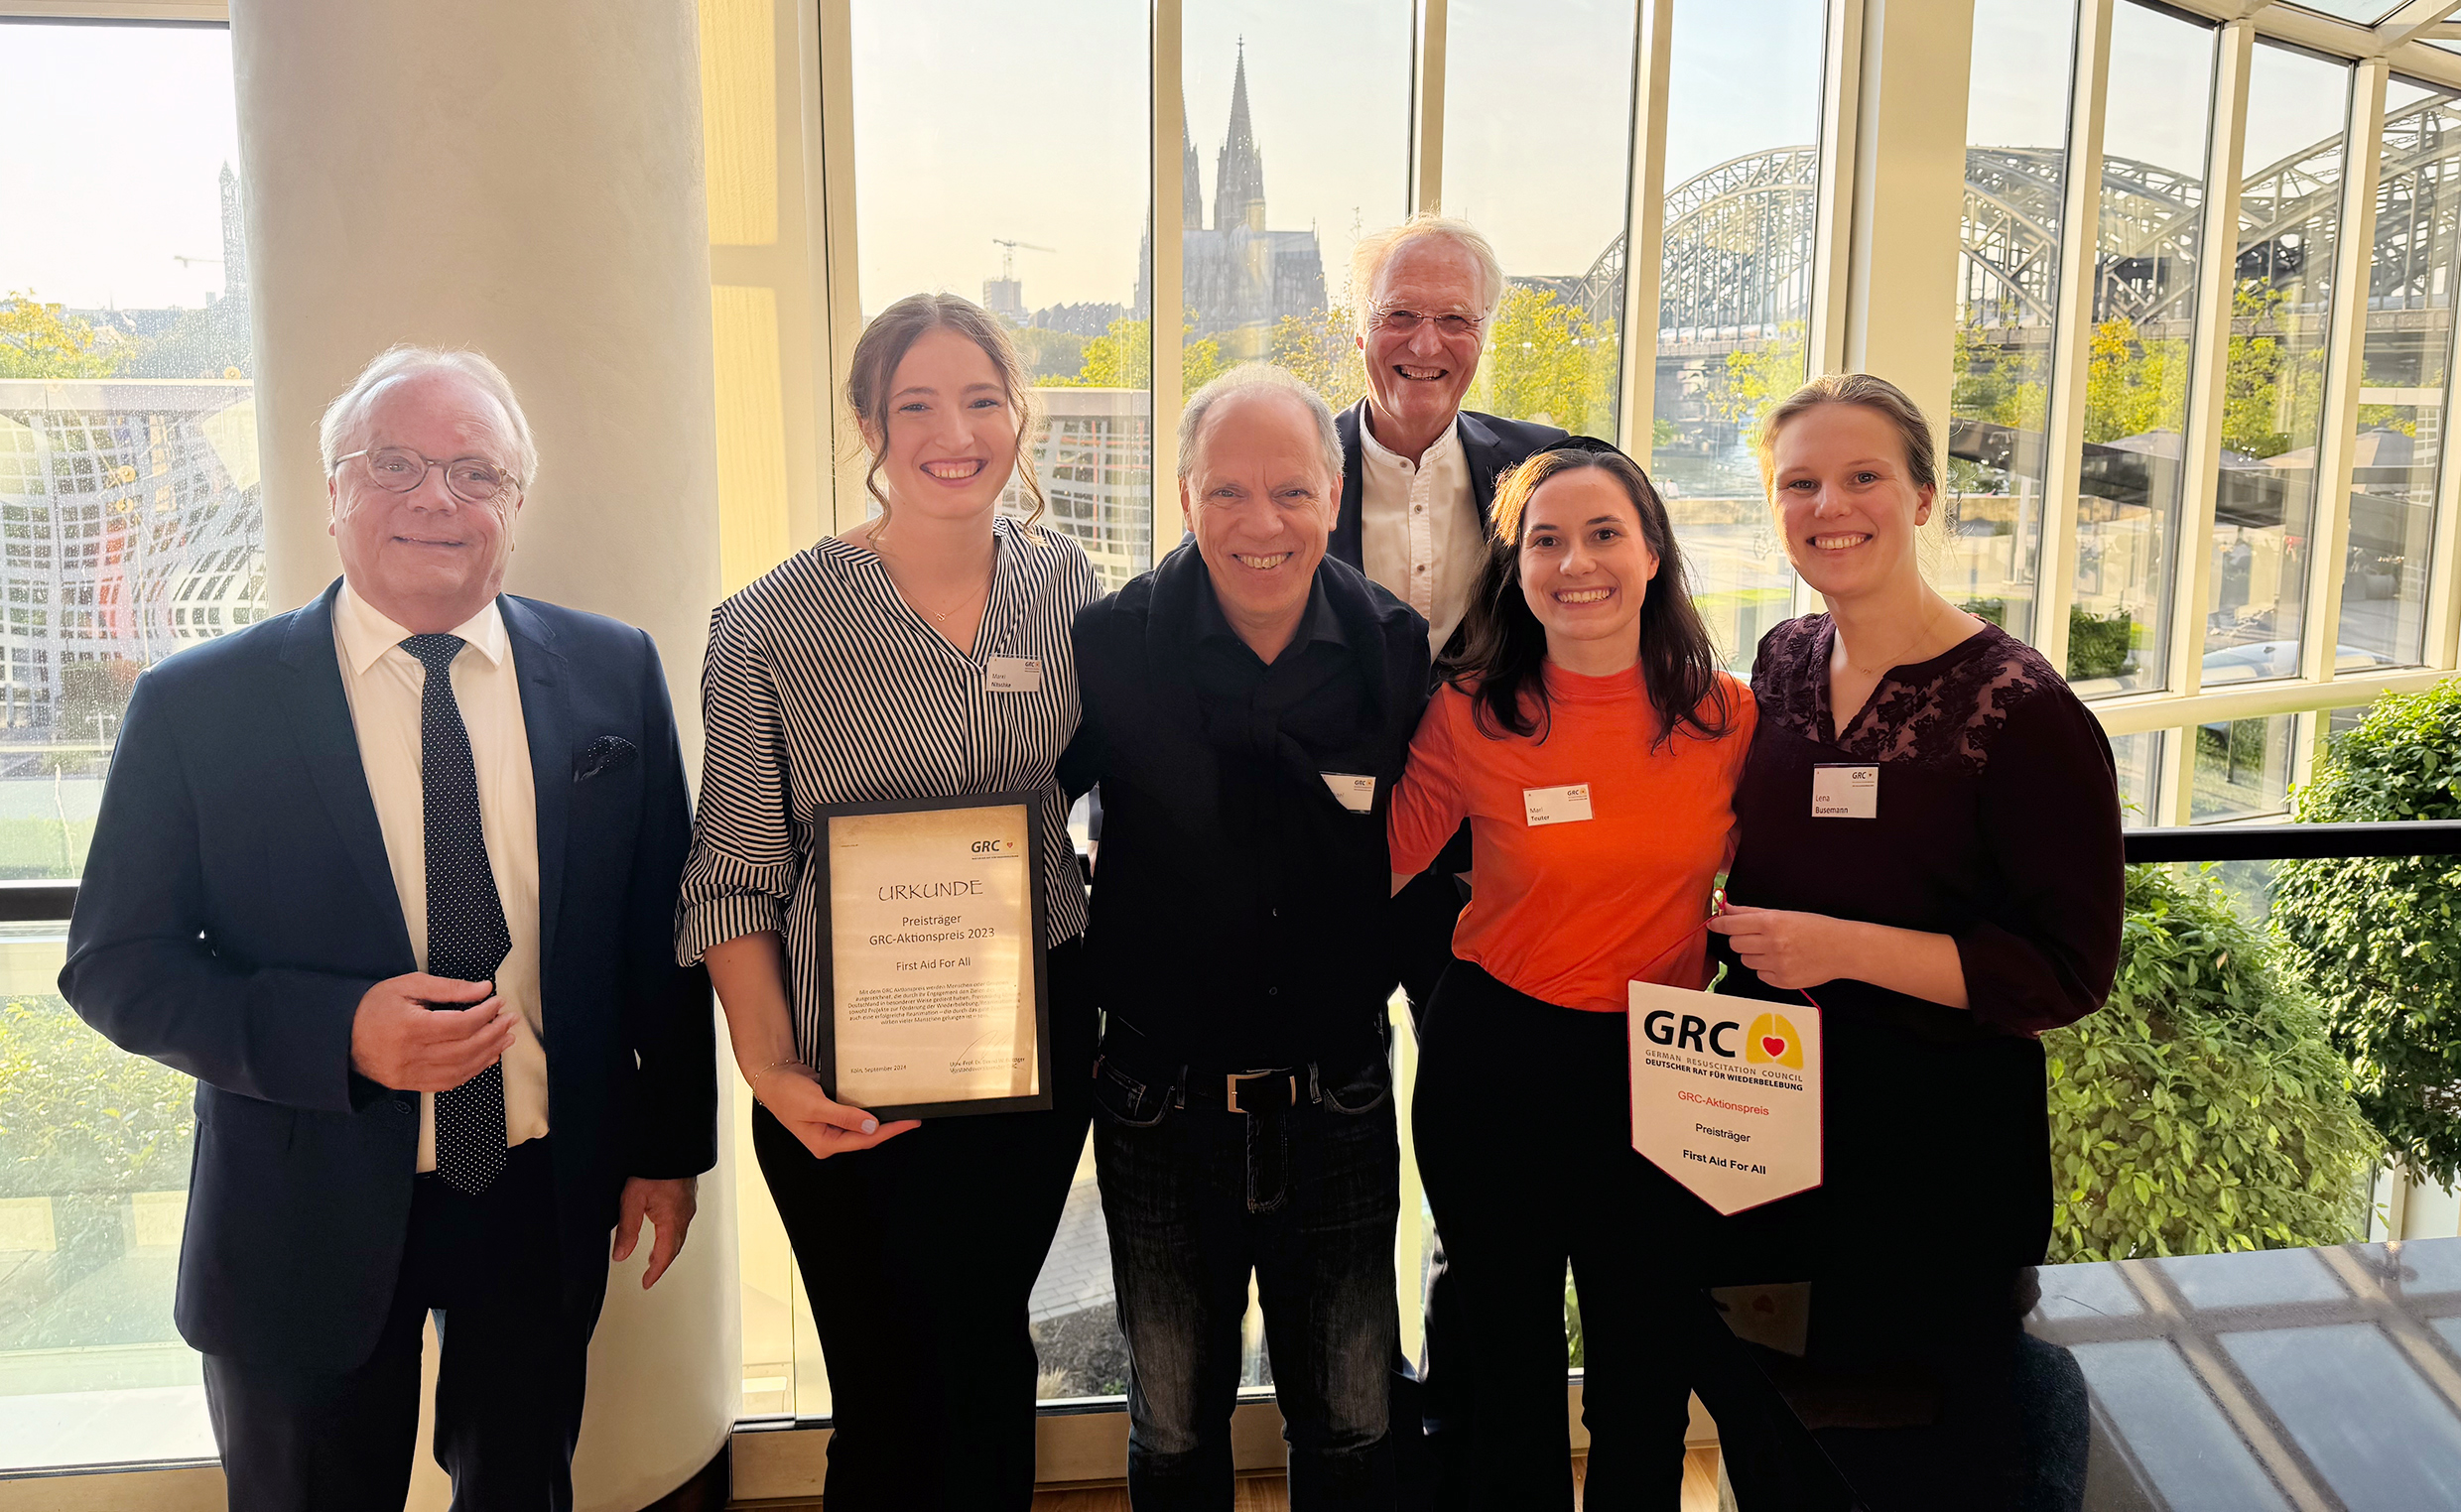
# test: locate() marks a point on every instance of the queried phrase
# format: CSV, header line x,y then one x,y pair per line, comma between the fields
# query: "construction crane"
x,y
191,262
1008,254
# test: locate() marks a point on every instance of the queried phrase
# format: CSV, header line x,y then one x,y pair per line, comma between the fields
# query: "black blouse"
x,y
1998,825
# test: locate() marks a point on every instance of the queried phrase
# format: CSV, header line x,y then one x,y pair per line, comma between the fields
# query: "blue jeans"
x,y
1306,1196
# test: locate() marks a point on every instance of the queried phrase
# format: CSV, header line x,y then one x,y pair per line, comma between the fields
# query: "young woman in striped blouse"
x,y
859,672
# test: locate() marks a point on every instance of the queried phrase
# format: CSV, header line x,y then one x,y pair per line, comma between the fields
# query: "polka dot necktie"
x,y
466,936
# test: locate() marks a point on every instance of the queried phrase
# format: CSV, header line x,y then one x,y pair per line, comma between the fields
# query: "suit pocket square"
x,y
603,754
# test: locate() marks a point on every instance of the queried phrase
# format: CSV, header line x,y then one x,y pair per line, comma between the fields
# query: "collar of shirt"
x,y
1374,453
366,633
1319,620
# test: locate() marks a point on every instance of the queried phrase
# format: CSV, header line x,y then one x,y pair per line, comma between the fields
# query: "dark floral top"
x,y
1997,824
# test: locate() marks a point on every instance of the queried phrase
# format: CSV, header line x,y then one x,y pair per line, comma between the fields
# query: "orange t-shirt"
x,y
1569,912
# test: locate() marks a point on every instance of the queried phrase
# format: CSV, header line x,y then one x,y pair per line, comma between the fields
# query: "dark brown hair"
x,y
1504,649
884,344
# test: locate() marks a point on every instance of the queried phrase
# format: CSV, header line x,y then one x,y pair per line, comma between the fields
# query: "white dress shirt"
x,y
1418,528
384,684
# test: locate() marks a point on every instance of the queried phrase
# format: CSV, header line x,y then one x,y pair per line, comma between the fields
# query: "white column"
x,y
525,180
1909,185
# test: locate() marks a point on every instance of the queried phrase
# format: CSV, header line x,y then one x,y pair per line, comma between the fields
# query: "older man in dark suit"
x,y
1419,477
392,876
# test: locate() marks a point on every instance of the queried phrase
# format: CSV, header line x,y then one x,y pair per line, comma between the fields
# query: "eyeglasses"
x,y
1405,322
472,479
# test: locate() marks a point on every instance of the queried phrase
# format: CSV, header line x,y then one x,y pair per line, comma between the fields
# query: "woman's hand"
x,y
792,1094
1788,951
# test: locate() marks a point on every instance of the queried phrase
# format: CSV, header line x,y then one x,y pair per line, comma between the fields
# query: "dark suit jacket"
x,y
237,903
1491,443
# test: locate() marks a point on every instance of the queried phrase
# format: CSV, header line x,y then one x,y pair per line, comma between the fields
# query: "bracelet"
x,y
754,1083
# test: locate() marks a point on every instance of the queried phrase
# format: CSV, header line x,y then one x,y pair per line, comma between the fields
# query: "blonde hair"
x,y
1922,452
884,344
1378,248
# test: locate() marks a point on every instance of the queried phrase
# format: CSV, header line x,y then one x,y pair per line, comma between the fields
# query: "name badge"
x,y
1556,805
1356,792
1014,674
1726,1093
1842,791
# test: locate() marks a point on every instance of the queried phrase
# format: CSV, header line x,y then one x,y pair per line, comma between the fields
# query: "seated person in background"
x,y
1588,737
1247,706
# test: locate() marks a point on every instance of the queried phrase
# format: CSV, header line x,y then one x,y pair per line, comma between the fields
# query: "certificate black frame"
x,y
825,1052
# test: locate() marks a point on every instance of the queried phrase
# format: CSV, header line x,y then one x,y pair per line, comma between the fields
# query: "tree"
x,y
2378,936
1123,358
1548,360
2133,385
1753,381
2203,1108
39,340
1320,350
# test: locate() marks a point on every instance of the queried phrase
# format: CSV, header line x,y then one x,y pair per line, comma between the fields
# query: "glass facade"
x,y
2007,302
2133,475
2403,366
2274,402
1734,298
1521,123
131,527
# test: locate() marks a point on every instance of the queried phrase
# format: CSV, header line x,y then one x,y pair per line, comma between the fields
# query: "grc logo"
x,y
1690,1032
1773,1039
996,847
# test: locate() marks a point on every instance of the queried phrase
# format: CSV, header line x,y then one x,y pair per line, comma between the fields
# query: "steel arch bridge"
x,y
1737,265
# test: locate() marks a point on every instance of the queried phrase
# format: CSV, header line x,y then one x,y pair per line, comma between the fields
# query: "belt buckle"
x,y
1231,1088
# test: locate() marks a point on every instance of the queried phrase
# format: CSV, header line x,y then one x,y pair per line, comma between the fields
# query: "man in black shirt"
x,y
1248,707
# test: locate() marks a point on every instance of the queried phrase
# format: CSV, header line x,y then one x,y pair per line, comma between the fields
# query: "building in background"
x,y
1095,463
1238,276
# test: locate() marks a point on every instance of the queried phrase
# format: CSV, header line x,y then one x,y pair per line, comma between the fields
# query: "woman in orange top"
x,y
1593,744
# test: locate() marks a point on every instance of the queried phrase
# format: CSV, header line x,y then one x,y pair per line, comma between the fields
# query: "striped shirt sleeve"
x,y
744,863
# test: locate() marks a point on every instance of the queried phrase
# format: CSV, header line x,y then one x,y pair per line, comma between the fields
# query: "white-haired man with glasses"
x,y
1418,478
393,876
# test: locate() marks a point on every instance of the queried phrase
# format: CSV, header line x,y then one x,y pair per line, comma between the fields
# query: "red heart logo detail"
x,y
1773,1045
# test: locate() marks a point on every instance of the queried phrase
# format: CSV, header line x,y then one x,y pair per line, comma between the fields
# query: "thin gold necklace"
x,y
1929,618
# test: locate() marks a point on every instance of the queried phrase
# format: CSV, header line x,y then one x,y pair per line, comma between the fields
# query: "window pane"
x,y
1298,140
2139,758
1554,355
958,197
2160,97
2272,404
129,509
2008,292
2401,442
94,1151
1743,178
2241,768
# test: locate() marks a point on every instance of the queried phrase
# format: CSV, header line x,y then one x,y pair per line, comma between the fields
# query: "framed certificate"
x,y
932,923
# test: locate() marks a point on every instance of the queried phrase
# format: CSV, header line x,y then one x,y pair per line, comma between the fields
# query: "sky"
x,y
117,138
1036,132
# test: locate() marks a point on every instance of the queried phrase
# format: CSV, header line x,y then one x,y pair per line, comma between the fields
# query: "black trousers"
x,y
1524,1126
920,1257
508,1395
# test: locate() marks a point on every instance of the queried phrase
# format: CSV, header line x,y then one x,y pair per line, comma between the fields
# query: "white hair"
x,y
1255,378
1376,249
345,419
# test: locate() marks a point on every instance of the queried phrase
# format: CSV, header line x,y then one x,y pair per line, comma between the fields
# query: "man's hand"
x,y
398,1040
793,1095
669,1207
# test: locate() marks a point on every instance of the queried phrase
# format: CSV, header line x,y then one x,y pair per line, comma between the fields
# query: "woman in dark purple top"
x,y
1941,921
